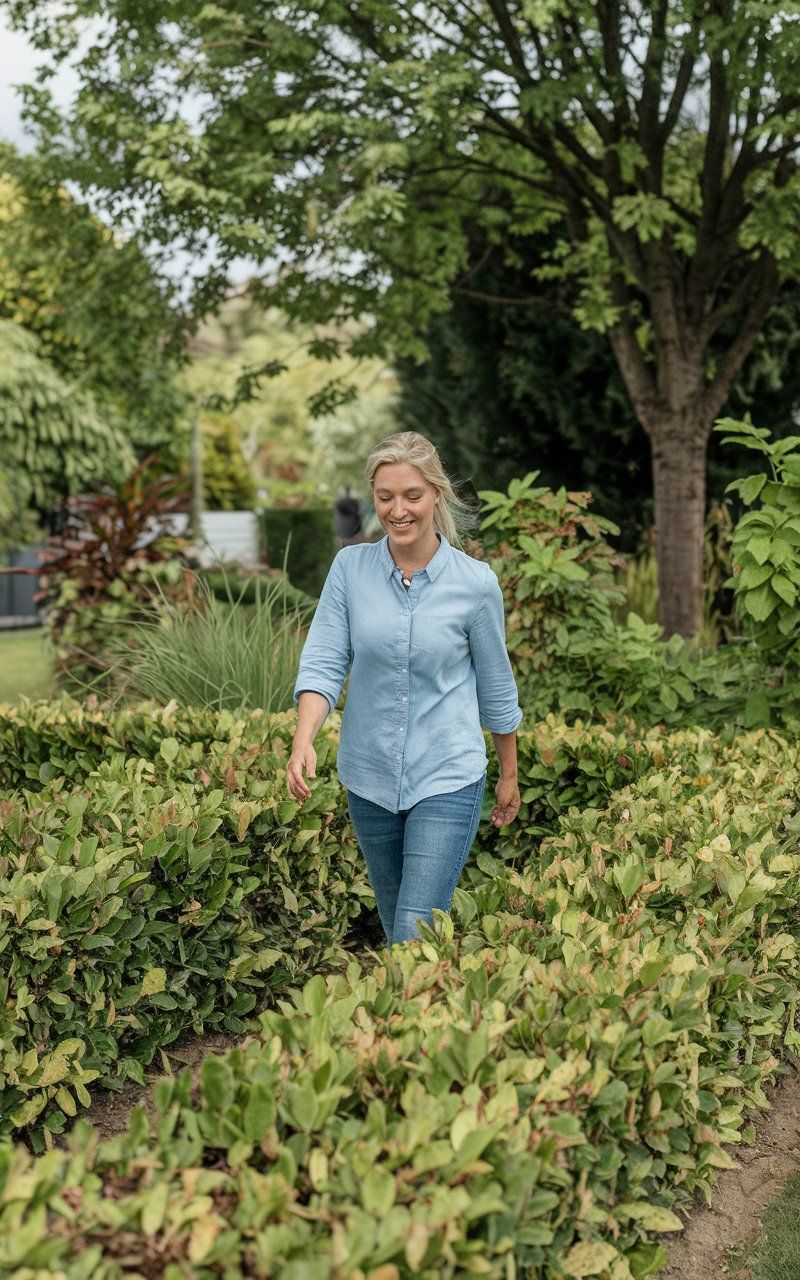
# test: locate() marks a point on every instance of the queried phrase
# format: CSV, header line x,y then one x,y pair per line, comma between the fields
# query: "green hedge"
x,y
155,876
536,1083
136,904
311,550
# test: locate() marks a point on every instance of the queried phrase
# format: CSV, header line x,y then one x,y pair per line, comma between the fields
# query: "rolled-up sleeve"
x,y
326,655
498,697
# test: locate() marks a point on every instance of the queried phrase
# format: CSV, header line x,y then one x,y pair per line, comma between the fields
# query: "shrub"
x,y
766,566
155,895
568,652
227,481
539,1090
301,540
103,565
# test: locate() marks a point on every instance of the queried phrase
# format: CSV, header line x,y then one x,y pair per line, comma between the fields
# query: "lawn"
x,y
24,664
776,1256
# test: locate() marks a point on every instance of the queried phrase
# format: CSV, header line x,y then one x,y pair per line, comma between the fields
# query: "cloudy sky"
x,y
18,62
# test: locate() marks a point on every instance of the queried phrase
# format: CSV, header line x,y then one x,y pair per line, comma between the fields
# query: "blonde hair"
x,y
451,515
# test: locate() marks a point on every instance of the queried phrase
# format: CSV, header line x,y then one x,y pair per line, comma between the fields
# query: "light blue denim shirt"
x,y
430,670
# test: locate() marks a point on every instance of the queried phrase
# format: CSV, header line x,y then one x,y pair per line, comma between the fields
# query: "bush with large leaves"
x,y
54,439
569,652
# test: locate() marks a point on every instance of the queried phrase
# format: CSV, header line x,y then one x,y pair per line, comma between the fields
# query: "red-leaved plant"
x,y
110,558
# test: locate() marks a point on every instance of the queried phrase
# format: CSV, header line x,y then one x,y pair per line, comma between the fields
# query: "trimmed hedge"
x,y
311,549
537,1083
156,877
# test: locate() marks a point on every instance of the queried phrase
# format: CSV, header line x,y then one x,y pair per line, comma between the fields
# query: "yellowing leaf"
x,y
589,1258
56,1068
419,1233
66,1101
204,1232
154,980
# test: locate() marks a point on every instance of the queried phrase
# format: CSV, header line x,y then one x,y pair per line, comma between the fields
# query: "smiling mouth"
x,y
405,524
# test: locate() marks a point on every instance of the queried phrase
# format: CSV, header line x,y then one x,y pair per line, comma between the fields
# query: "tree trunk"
x,y
679,491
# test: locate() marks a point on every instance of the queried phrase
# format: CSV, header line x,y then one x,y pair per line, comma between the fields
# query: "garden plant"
x,y
538,1086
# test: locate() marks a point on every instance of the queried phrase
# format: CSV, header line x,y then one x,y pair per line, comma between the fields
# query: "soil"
x,y
707,1248
110,1112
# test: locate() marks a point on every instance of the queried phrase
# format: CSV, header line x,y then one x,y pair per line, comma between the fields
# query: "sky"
x,y
18,62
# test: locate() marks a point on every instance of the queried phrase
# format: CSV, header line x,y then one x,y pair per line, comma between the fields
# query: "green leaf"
x,y
217,1083
784,588
259,1113
314,994
760,603
169,749
378,1190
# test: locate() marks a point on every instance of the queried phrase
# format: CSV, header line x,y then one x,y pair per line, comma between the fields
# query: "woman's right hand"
x,y
302,757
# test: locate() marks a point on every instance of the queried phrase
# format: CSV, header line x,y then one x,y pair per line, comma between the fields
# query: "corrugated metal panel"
x,y
228,535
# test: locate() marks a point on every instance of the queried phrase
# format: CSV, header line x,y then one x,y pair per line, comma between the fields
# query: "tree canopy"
x,y
349,144
54,438
107,321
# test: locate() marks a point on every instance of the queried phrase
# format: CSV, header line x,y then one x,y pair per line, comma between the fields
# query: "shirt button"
x,y
405,699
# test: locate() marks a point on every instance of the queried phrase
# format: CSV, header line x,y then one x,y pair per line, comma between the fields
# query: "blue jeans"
x,y
415,857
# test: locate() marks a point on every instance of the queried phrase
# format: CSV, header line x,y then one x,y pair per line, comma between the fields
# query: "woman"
x,y
422,623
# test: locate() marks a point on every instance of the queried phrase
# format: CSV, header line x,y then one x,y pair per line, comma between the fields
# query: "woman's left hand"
x,y
508,802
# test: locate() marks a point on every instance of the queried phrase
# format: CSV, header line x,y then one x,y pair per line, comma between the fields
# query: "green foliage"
x,y
546,1076
55,440
253,363
18,523
227,481
106,319
205,651
146,772
568,651
414,136
302,540
766,567
148,894
248,587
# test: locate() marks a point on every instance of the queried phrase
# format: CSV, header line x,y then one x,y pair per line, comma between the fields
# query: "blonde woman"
x,y
423,626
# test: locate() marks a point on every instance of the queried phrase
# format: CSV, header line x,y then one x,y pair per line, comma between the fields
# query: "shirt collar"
x,y
434,566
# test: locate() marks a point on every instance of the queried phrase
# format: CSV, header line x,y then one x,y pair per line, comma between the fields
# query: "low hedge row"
x,y
560,765
533,1084
131,911
160,879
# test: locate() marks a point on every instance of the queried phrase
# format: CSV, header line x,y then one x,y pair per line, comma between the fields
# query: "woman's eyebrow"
x,y
414,489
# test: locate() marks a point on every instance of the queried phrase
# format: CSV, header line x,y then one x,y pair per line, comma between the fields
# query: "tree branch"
x,y
733,358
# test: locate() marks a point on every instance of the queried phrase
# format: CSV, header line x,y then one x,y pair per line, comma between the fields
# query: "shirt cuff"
x,y
504,726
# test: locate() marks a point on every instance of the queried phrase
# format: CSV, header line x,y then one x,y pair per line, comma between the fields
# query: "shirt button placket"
x,y
406,646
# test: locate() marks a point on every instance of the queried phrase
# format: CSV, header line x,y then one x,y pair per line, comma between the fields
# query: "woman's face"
x,y
404,501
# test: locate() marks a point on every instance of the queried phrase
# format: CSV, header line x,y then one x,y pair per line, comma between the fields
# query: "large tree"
x,y
555,392
350,141
107,321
